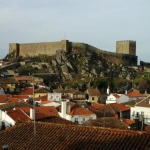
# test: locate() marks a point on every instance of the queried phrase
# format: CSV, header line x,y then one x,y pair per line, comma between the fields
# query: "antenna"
x,y
34,113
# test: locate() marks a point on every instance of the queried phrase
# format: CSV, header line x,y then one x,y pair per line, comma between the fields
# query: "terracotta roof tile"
x,y
9,80
27,91
128,121
108,122
106,110
23,78
10,106
93,92
116,95
72,137
119,107
41,112
21,96
18,114
13,99
79,110
43,98
131,103
144,103
3,98
41,90
97,105
135,94
55,119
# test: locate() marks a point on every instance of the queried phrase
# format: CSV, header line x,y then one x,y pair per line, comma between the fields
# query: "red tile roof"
x,y
3,98
55,119
135,94
27,91
18,114
41,112
93,92
97,105
72,137
116,95
13,99
107,122
21,96
43,98
144,103
128,121
76,109
119,107
23,78
106,111
79,110
9,80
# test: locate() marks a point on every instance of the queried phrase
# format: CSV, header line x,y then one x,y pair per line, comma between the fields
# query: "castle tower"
x,y
126,47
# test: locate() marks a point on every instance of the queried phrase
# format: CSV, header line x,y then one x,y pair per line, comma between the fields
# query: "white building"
x,y
112,98
54,97
75,113
132,95
6,119
141,111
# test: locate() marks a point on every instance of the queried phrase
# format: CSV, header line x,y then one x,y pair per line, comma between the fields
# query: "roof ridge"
x,y
142,100
80,126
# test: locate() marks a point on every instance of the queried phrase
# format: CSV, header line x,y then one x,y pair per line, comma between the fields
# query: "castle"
x,y
125,50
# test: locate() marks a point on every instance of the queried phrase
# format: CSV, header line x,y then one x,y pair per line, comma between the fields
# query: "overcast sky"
x,y
99,23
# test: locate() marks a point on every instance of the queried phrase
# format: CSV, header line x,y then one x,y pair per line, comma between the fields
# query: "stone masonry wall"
x,y
126,47
34,49
50,48
116,58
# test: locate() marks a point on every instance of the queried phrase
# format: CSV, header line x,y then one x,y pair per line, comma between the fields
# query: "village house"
x,y
132,95
74,112
9,84
93,95
112,98
72,95
11,117
141,111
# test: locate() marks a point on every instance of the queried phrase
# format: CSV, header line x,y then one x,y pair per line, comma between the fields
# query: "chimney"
x,y
32,113
68,107
63,108
108,90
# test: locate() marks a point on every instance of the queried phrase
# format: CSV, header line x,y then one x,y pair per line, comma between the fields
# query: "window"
x,y
133,113
93,98
137,114
142,113
76,120
91,118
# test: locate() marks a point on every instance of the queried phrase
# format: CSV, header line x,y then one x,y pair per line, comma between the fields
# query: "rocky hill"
x,y
78,70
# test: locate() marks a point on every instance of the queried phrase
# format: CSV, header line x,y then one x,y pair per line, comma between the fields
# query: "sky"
x,y
99,23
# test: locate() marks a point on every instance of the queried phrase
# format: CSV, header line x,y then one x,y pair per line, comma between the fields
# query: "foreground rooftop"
x,y
72,137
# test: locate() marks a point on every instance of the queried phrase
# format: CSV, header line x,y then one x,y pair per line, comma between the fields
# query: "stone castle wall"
x,y
126,47
117,58
34,49
50,48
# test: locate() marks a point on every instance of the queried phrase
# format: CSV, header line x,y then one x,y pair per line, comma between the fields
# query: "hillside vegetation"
x,y
81,71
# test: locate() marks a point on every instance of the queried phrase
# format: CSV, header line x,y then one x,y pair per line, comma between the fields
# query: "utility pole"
x,y
33,81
